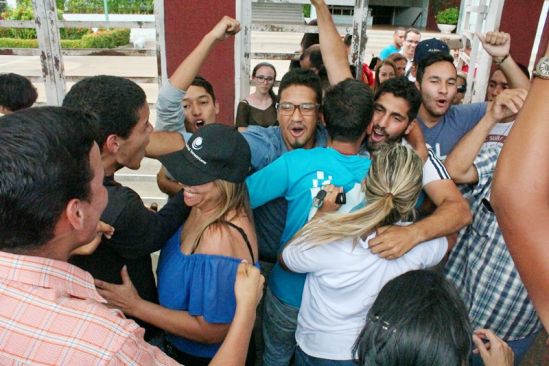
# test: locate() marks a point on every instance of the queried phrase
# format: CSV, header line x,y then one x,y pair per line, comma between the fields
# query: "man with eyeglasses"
x,y
411,39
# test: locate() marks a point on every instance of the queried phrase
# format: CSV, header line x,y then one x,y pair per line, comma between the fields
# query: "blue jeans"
x,y
519,347
279,325
303,359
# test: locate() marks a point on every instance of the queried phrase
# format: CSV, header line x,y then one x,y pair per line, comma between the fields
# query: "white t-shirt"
x,y
342,283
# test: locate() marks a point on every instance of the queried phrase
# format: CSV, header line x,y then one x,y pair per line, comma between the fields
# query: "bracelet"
x,y
499,60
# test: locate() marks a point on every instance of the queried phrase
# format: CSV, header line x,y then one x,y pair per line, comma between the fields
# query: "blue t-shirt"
x,y
388,51
452,127
202,285
298,176
267,145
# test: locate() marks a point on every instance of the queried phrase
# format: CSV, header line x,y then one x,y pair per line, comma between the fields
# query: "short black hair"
x,y
44,160
401,87
418,318
16,92
115,100
203,83
348,109
304,78
431,59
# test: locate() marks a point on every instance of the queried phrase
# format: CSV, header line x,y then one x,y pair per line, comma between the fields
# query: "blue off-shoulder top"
x,y
201,284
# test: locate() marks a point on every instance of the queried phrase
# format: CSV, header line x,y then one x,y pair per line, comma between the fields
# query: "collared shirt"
x,y
51,314
482,269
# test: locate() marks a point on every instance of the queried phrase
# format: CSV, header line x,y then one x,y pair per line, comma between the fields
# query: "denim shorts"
x,y
279,325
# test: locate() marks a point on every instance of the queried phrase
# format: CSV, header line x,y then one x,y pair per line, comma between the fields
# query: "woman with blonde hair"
x,y
343,275
198,264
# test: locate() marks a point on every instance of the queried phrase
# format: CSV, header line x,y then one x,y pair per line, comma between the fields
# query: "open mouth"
x,y
377,135
442,103
199,123
297,131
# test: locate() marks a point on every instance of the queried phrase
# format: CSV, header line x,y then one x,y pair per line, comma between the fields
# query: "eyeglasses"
x,y
288,109
262,78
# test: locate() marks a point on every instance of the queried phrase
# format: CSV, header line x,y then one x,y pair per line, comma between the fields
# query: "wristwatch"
x,y
542,68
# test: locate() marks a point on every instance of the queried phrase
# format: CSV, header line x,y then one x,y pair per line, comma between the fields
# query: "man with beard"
x,y
395,108
396,105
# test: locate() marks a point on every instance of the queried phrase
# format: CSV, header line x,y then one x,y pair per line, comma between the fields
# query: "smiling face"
x,y
298,130
131,150
204,196
390,121
410,44
199,107
386,72
438,88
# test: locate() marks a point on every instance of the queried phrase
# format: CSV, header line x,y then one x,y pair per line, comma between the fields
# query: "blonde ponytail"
x,y
391,190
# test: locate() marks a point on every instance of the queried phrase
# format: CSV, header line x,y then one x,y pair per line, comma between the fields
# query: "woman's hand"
x,y
495,352
123,297
248,286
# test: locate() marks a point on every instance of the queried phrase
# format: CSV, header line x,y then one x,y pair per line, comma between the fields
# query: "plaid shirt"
x,y
482,268
51,314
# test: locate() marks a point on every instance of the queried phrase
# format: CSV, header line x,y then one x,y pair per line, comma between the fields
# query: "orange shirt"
x,y
51,314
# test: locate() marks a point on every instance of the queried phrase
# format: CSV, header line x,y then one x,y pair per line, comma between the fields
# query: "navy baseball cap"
x,y
215,151
429,46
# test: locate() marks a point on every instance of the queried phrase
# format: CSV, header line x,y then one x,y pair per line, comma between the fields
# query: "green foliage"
x,y
448,16
18,43
24,12
106,39
307,10
102,39
114,6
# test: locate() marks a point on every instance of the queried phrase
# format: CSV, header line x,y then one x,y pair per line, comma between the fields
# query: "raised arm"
x,y
520,195
498,45
334,53
248,290
459,162
170,115
188,69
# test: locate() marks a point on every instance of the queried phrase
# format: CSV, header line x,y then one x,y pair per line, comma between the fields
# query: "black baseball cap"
x,y
215,151
429,46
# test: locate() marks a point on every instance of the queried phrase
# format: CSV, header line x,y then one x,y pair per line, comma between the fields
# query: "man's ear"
x,y
216,107
75,214
112,144
410,127
321,119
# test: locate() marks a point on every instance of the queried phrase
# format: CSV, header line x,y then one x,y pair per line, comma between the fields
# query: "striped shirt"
x,y
482,268
51,314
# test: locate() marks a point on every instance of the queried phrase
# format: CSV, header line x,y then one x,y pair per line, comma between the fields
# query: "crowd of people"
x,y
376,209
